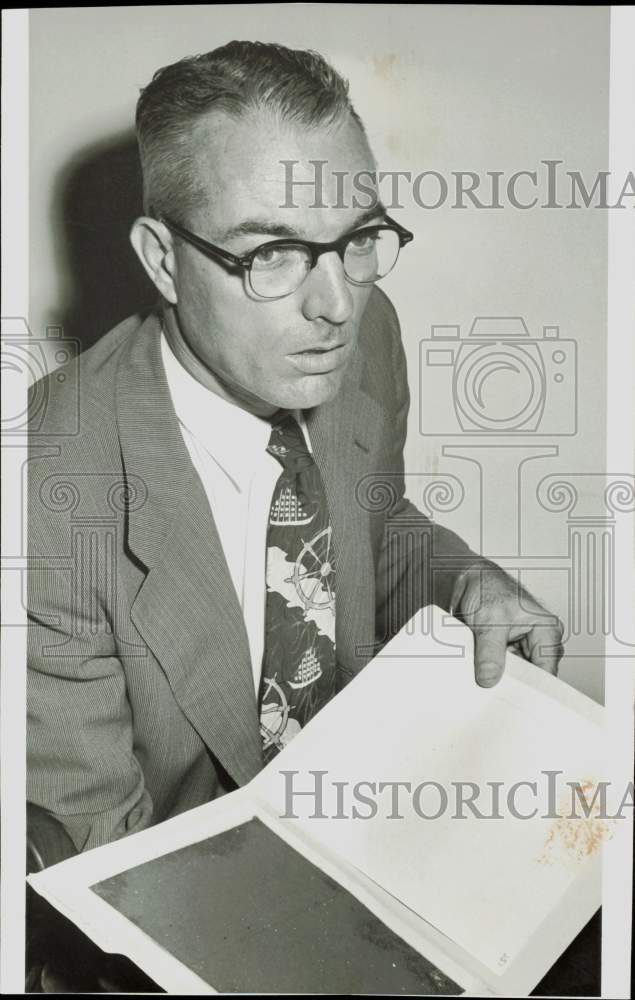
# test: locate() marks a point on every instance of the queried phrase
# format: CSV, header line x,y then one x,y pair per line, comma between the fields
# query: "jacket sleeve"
x,y
82,767
418,561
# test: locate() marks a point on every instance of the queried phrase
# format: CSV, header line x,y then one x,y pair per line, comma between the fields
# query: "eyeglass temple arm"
x,y
405,236
203,245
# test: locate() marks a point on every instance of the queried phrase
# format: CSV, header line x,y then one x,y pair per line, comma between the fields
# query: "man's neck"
x,y
216,383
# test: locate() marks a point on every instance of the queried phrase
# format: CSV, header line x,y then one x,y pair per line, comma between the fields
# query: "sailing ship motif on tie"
x,y
308,671
287,510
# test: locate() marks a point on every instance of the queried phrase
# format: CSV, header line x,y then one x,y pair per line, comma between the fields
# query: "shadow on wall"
x,y
96,199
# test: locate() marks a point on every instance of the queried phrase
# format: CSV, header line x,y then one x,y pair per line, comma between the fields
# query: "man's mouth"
x,y
321,350
319,360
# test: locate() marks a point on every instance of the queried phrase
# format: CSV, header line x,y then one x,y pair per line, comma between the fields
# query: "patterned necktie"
x,y
299,669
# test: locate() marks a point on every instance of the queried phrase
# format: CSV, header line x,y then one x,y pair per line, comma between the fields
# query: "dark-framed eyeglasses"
x,y
278,268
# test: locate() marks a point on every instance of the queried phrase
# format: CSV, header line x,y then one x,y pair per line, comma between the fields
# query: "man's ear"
x,y
152,243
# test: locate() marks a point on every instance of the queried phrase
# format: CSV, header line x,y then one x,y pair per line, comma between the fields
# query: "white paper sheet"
x,y
486,883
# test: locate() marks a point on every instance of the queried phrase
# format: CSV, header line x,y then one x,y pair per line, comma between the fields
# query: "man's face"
x,y
290,352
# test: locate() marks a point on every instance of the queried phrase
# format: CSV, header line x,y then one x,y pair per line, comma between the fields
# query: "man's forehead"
x,y
260,167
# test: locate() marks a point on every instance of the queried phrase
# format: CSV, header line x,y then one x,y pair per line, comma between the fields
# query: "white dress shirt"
x,y
228,447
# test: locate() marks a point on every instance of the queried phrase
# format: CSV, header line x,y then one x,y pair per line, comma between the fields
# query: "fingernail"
x,y
487,680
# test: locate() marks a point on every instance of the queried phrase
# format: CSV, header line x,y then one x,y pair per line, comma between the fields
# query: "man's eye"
x,y
363,241
266,255
271,257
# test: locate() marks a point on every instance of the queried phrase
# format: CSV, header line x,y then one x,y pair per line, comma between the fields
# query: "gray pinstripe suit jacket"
x,y
141,696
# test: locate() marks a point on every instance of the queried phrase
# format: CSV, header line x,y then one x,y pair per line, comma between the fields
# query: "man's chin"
x,y
314,390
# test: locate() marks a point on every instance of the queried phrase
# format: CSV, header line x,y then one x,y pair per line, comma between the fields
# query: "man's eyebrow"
x,y
261,227
374,212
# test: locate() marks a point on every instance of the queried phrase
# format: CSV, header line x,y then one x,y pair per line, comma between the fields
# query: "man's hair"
x,y
298,85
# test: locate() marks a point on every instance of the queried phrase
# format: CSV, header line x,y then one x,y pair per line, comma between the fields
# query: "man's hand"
x,y
501,613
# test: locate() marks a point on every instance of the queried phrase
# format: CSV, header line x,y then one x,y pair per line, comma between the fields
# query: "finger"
x,y
490,649
545,648
51,981
519,646
107,985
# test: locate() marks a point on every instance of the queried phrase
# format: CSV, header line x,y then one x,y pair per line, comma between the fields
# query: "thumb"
x,y
490,650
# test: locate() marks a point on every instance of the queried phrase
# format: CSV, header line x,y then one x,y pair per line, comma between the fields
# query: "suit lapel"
x,y
187,610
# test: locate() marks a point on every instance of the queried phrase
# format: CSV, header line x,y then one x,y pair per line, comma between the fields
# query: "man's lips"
x,y
319,360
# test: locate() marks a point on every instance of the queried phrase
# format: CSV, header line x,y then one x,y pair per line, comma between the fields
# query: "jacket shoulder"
x,y
79,395
380,319
383,374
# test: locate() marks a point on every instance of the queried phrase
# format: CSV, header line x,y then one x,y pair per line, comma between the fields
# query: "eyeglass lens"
x,y
280,270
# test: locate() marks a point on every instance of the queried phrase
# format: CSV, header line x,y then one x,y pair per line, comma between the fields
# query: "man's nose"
x,y
327,292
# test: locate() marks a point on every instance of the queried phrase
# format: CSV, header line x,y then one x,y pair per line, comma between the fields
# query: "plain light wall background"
x,y
440,87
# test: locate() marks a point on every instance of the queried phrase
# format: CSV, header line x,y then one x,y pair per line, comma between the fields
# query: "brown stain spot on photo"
x,y
384,65
575,836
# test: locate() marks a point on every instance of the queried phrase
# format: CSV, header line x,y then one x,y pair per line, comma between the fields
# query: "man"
x,y
155,607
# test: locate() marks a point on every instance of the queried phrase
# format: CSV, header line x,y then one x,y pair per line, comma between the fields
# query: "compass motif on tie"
x,y
314,573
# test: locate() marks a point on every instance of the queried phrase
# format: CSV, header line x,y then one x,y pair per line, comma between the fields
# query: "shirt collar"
x,y
235,438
